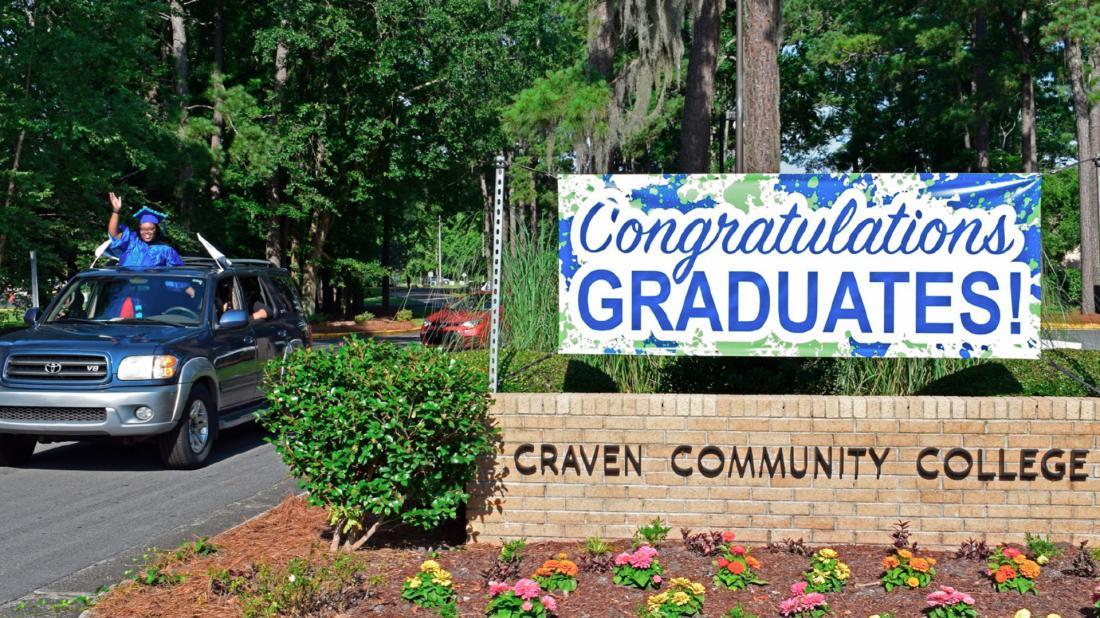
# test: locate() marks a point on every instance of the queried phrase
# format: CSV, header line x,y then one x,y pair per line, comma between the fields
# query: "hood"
x,y
99,337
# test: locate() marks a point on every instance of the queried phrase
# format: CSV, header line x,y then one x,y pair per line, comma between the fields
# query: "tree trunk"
x,y
274,243
319,226
177,18
387,232
978,92
219,88
761,28
1018,35
1090,216
601,41
699,100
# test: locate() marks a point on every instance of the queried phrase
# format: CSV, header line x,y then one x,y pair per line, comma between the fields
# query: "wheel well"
x,y
207,383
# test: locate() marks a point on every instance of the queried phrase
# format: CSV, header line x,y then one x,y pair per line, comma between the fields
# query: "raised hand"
x,y
116,202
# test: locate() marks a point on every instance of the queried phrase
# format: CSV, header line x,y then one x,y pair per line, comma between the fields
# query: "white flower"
x,y
291,579
1023,613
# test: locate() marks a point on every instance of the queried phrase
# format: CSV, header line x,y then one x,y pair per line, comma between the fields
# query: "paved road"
x,y
76,517
1088,338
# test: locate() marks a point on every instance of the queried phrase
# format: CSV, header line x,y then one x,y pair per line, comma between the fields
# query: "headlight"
x,y
470,323
147,367
427,323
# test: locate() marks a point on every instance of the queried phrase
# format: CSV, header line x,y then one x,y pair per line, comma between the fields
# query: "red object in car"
x,y
464,323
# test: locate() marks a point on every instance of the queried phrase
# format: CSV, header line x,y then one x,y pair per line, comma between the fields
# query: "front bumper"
x,y
119,405
451,335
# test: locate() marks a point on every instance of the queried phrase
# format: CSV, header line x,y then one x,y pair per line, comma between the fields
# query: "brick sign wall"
x,y
828,469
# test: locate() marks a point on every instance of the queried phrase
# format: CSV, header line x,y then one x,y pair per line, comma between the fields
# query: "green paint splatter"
x,y
813,182
740,192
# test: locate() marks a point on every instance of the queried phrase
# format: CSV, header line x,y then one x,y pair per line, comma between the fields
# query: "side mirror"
x,y
32,316
234,318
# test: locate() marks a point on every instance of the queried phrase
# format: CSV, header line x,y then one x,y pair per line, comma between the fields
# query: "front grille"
x,y
57,367
52,415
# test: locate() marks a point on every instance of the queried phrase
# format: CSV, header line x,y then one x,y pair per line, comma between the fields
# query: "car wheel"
x,y
16,450
188,445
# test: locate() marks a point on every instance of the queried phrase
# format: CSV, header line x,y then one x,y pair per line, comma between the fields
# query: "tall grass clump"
x,y
529,290
891,376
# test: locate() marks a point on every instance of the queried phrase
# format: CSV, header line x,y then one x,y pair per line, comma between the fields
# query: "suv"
x,y
173,354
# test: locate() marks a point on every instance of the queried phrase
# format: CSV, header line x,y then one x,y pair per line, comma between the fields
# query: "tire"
x,y
16,450
189,444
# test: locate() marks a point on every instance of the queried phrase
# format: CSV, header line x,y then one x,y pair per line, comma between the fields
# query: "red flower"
x,y
737,568
727,537
737,550
723,563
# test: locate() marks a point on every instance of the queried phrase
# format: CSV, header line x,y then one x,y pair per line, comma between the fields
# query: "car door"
x,y
234,354
265,328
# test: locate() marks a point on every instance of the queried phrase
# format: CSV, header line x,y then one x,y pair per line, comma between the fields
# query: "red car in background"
x,y
462,324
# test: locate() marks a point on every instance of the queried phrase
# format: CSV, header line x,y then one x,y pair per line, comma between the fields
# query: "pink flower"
x,y
1096,593
798,588
549,603
496,588
1011,552
622,558
737,550
657,579
790,606
812,600
947,596
722,562
643,557
727,537
527,589
527,606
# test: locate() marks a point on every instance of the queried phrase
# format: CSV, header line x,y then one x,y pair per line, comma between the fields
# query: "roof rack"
x,y
192,260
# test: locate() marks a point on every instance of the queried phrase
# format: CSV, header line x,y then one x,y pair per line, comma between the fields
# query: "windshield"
x,y
132,299
473,302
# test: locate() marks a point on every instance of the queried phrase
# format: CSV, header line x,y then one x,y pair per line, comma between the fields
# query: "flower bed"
x,y
295,529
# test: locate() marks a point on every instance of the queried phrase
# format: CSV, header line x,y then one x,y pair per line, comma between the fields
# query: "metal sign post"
x,y
494,323
34,279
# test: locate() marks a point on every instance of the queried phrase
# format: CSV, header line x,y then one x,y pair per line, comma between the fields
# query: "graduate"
x,y
148,248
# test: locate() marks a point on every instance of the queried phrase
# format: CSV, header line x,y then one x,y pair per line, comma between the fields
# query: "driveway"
x,y
78,515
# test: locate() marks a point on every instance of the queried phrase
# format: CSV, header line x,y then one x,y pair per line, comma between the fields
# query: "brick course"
x,y
573,504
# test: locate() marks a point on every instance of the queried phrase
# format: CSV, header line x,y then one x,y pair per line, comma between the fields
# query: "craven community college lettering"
x,y
712,461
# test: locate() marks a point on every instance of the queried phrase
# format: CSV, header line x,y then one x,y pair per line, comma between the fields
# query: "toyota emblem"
x,y
53,367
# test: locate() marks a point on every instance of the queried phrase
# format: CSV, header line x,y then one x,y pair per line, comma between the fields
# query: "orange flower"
x,y
1029,569
905,553
1004,574
736,568
889,562
919,564
931,560
753,562
1019,558
913,582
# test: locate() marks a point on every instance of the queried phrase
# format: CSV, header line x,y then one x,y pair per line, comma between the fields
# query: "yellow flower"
x,y
905,553
681,598
413,582
680,581
843,568
827,553
913,582
1042,559
931,561
819,580
657,600
843,576
1053,616
1020,559
698,589
429,565
1023,613
442,582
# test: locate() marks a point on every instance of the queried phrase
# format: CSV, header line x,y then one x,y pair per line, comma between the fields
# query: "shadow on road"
x,y
106,456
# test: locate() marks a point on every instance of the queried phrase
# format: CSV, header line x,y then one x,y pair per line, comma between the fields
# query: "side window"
x,y
255,302
286,297
224,299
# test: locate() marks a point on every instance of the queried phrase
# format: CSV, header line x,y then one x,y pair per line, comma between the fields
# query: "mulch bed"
x,y
370,327
295,529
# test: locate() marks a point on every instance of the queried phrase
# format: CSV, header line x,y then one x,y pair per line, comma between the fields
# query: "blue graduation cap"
x,y
148,215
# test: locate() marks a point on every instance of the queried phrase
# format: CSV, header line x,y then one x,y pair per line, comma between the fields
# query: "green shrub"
x,y
366,316
379,432
403,315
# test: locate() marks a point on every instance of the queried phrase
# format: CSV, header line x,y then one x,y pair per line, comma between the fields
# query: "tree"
x,y
699,100
762,31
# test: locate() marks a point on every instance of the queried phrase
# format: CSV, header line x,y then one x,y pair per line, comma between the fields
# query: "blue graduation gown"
x,y
133,252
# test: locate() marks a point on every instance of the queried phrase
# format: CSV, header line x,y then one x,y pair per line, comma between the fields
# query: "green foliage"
x,y
654,533
905,570
595,546
1039,546
736,569
431,588
403,315
302,587
958,610
529,292
739,612
364,317
1009,571
510,551
157,576
827,573
374,431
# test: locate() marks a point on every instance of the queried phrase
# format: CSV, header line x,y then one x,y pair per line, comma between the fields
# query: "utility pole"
x,y
739,136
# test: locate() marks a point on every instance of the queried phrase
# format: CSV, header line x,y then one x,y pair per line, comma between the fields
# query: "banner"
x,y
893,265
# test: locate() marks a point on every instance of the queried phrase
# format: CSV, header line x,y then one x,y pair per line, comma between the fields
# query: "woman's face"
x,y
147,231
